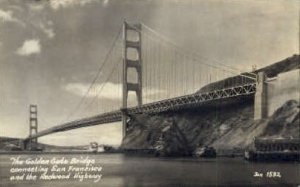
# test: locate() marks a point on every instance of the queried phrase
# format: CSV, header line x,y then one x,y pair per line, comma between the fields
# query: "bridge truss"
x,y
166,68
167,105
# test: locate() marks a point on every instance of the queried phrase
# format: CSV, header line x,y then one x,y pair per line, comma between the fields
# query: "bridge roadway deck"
x,y
172,104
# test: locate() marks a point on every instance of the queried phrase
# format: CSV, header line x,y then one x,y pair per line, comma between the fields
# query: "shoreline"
x,y
119,152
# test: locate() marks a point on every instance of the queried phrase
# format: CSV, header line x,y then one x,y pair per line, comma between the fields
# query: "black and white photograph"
x,y
149,93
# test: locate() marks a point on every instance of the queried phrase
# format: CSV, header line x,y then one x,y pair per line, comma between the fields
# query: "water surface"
x,y
124,171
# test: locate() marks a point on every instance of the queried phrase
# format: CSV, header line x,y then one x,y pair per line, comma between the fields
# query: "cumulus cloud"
x,y
47,30
56,4
29,47
35,20
7,16
105,2
110,90
36,7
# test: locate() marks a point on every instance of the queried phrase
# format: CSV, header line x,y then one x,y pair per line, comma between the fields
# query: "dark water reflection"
x,y
124,171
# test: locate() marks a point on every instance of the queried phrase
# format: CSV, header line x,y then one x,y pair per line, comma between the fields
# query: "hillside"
x,y
226,125
273,70
225,128
282,66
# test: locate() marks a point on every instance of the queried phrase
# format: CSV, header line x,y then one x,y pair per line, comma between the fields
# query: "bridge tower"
x,y
129,62
261,97
33,127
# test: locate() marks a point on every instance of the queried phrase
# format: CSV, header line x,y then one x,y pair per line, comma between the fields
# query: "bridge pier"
x,y
261,97
129,62
22,144
25,145
124,122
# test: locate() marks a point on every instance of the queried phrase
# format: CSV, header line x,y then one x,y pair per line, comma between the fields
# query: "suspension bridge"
x,y
145,72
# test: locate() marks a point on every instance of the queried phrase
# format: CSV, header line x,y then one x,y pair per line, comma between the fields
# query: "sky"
x,y
50,50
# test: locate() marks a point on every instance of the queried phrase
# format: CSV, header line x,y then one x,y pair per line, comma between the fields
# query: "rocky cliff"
x,y
226,125
228,129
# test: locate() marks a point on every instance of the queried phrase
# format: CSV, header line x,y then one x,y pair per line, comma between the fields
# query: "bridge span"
x,y
173,104
163,65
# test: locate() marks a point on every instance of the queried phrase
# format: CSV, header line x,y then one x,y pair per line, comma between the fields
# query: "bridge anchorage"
x,y
172,79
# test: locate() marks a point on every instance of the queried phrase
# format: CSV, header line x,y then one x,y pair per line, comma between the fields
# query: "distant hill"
x,y
6,143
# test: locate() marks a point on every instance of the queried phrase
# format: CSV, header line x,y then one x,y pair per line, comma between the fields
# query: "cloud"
x,y
108,91
111,134
7,16
36,7
105,2
56,4
29,47
47,30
